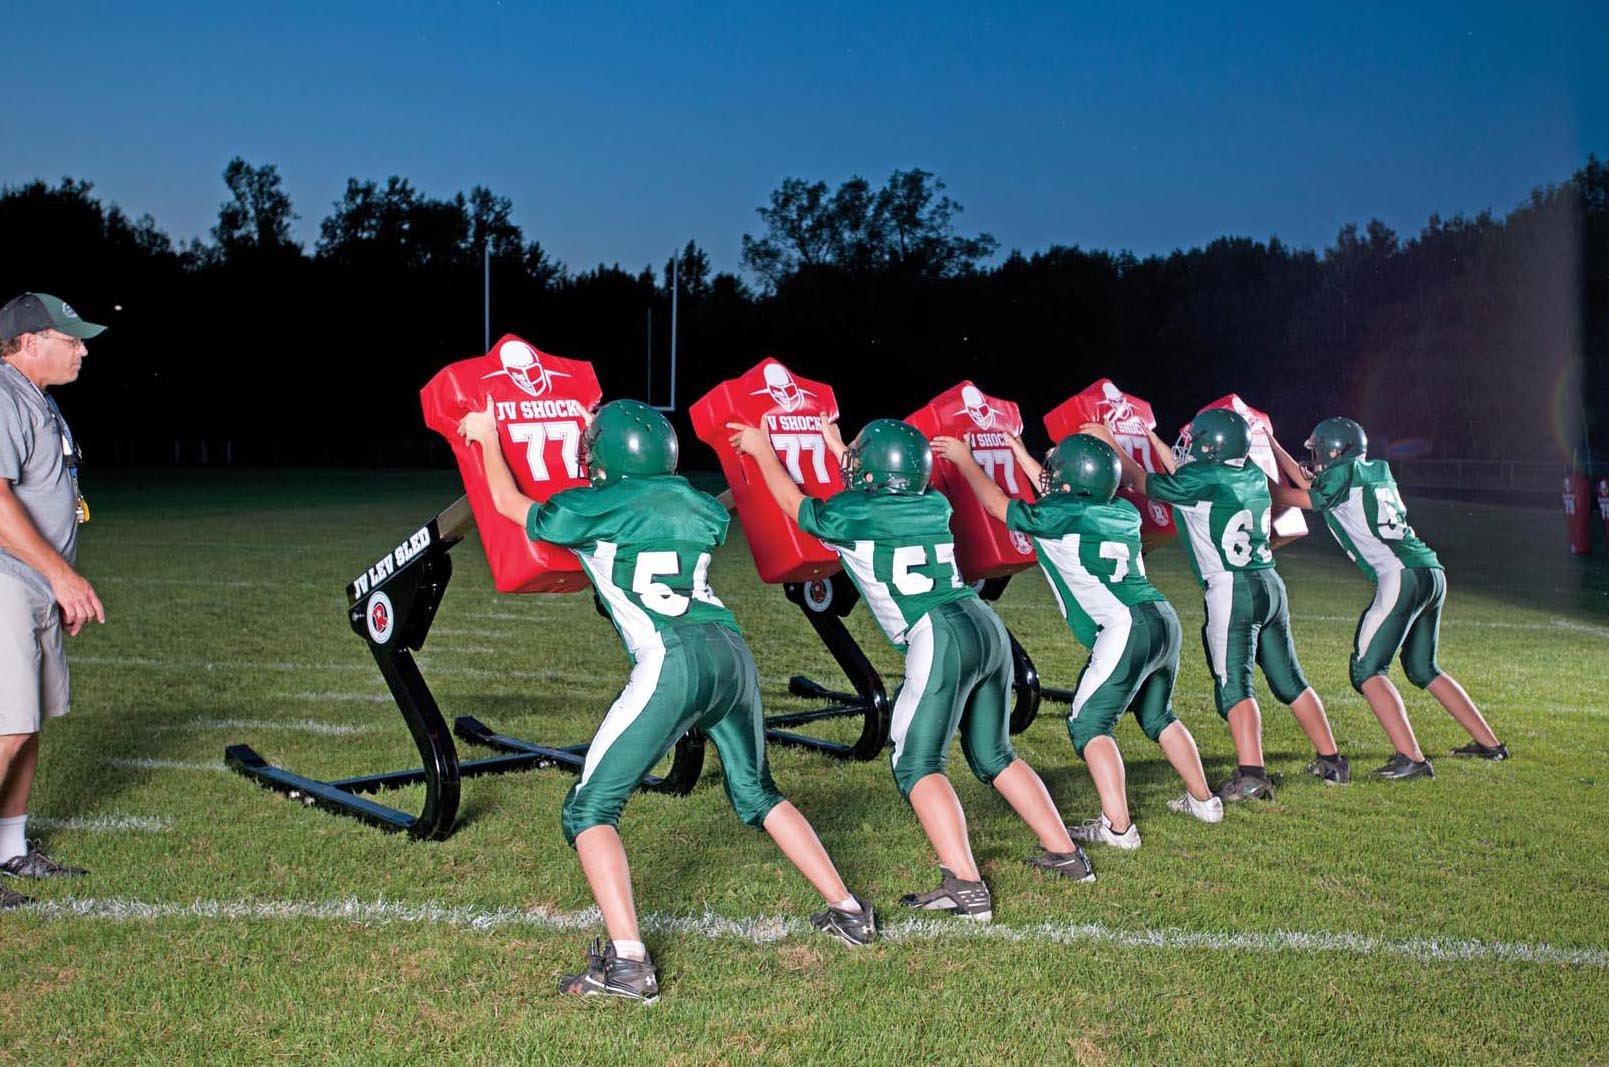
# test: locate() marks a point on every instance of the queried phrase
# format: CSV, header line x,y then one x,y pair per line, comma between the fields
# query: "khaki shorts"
x,y
33,663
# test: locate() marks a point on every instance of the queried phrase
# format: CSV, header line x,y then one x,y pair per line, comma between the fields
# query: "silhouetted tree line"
x,y
1483,336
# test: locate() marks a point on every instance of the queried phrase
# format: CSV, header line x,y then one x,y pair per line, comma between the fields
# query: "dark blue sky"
x,y
620,131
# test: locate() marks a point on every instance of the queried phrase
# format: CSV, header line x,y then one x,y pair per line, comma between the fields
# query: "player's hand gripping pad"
x,y
541,403
984,548
1130,419
791,410
1289,523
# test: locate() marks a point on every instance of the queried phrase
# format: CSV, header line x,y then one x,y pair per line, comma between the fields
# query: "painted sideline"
x,y
766,929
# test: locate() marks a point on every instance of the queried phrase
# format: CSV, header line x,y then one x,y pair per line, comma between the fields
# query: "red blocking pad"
x,y
791,410
984,548
1129,418
1288,523
541,402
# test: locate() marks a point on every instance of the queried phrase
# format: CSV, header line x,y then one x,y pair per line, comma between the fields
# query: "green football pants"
x,y
700,676
1249,626
957,676
1405,615
1133,665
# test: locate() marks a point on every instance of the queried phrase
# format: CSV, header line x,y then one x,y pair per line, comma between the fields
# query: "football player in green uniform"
x,y
1088,545
644,537
1221,502
894,538
1361,506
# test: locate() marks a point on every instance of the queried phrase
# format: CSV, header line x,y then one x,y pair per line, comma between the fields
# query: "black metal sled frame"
x,y
1026,687
393,604
825,602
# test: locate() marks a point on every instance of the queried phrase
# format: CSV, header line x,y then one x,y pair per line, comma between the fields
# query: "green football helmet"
x,y
1082,466
889,456
1217,435
1336,440
627,438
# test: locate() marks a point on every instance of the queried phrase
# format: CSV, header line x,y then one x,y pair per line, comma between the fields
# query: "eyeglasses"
x,y
74,342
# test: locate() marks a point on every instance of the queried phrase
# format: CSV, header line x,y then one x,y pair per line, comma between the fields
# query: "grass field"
x,y
1460,920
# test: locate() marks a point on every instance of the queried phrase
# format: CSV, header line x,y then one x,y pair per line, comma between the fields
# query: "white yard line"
x,y
1496,624
103,824
301,726
766,929
609,679
366,698
144,764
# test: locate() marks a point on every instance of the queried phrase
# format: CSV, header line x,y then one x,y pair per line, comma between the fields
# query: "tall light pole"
x,y
486,291
675,293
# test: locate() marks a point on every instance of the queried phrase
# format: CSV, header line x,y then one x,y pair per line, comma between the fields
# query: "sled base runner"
x,y
1026,689
392,606
825,603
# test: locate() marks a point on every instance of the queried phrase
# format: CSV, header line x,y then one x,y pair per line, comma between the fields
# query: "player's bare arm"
x,y
1288,496
834,439
753,441
18,536
1291,468
480,427
1162,452
1026,461
990,495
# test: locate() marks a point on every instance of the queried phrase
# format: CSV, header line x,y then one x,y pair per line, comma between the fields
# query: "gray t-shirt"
x,y
33,458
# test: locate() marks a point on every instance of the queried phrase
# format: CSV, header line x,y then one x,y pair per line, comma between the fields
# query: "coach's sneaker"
x,y
1333,770
1400,768
1074,864
1209,810
1476,750
1099,831
850,927
11,899
36,863
610,975
970,900
1242,786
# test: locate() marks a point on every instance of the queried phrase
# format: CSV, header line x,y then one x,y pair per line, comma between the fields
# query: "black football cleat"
x,y
609,975
1400,768
1476,750
1332,770
850,927
1245,787
11,899
970,900
1074,864
36,863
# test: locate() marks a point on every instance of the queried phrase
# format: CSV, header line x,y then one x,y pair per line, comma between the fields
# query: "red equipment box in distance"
x,y
791,410
542,404
984,548
1130,419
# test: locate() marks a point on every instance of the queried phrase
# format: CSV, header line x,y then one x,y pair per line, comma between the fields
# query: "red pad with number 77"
x,y
984,548
1130,420
541,403
791,410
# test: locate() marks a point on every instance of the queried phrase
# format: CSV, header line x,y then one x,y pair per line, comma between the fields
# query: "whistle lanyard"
x,y
72,456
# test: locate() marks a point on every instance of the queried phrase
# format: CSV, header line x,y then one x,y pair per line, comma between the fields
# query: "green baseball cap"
x,y
37,312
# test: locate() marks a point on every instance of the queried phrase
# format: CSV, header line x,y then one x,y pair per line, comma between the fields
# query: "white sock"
x,y
631,950
849,904
13,839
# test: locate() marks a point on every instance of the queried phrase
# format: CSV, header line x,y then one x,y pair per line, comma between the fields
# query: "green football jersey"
x,y
897,549
1366,515
1225,511
1091,555
646,544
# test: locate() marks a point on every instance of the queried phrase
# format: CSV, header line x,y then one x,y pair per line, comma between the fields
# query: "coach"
x,y
41,345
